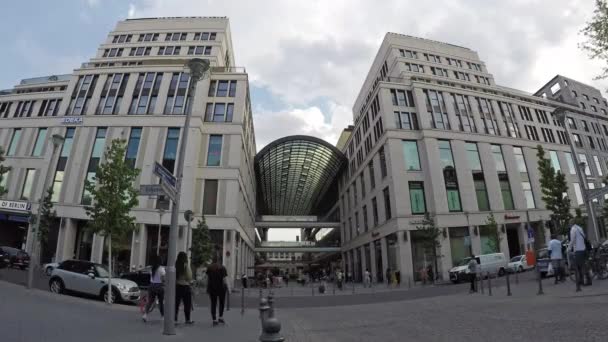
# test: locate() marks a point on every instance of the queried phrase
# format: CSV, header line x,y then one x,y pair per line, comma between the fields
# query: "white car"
x,y
48,268
518,264
494,263
92,279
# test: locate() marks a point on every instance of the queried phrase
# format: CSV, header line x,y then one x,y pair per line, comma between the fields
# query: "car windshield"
x,y
464,261
516,259
102,272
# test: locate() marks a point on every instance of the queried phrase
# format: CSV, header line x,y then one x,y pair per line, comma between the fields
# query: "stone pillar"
x,y
383,245
356,257
475,240
97,248
445,255
522,234
364,265
404,252
373,269
504,242
66,240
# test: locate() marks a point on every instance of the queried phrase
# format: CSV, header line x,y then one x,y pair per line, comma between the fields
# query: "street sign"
x,y
151,190
530,234
168,190
165,176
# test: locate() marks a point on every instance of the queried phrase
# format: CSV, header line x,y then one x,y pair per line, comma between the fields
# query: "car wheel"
x,y
115,295
520,269
501,272
56,286
48,271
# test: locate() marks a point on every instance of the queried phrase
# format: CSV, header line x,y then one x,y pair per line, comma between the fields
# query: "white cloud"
x,y
309,50
131,12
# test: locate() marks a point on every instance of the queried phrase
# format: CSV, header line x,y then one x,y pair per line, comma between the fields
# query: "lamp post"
x,y
198,67
161,212
561,115
57,141
189,217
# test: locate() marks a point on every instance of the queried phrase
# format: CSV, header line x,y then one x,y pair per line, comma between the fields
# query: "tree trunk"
x,y
110,269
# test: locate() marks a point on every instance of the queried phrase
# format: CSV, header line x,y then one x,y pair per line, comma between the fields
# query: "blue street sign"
x,y
167,177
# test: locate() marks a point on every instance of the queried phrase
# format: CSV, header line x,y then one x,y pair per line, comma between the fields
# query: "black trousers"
x,y
156,291
183,293
214,299
472,278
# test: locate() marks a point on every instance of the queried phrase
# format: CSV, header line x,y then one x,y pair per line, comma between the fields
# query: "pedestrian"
x,y
349,277
578,247
388,276
156,288
340,278
367,279
183,292
286,278
398,277
472,266
216,288
555,253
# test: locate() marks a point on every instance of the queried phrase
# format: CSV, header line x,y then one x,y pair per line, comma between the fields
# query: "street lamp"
x,y
561,115
189,216
161,212
57,141
197,67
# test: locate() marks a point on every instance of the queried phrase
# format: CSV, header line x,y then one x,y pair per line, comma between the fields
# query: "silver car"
x,y
91,278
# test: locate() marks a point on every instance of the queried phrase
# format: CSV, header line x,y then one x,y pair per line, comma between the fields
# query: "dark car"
x,y
4,259
140,277
17,257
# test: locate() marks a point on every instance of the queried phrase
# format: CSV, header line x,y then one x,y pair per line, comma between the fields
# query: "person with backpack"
x,y
216,288
156,289
578,246
183,292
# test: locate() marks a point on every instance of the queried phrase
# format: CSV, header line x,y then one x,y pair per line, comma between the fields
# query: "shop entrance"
x,y
513,240
13,230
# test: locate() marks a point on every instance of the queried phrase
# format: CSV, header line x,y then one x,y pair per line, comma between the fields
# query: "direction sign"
x,y
165,175
168,190
151,190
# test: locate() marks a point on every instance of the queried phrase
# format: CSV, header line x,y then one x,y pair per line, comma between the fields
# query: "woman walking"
x,y
183,274
156,289
216,288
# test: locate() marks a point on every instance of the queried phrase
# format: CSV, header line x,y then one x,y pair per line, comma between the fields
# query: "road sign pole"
x,y
196,71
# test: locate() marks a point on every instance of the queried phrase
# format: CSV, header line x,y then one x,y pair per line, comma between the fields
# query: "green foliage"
x,y
47,216
490,229
596,32
202,248
553,185
579,219
113,194
3,171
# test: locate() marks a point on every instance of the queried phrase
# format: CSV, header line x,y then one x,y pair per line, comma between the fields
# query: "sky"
x,y
307,60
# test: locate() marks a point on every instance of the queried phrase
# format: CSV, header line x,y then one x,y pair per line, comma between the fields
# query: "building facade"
x,y
434,133
136,88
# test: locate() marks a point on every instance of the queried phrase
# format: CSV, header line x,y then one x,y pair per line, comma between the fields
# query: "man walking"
x,y
367,280
577,246
555,252
472,273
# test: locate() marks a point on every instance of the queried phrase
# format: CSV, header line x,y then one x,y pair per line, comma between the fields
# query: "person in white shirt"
x,y
367,279
156,289
555,252
577,246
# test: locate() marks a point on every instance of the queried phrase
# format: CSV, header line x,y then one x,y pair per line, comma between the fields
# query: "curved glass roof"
x,y
294,175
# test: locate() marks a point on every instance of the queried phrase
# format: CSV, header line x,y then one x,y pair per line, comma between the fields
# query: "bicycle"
x,y
596,265
143,302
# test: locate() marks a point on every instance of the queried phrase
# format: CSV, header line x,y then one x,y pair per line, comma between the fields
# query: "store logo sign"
x,y
72,120
14,205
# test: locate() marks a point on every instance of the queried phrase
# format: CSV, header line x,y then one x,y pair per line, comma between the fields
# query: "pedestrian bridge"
x,y
304,249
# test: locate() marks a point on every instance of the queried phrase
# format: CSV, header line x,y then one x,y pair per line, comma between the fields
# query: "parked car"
x,y
17,257
4,259
48,268
92,279
518,264
140,277
494,263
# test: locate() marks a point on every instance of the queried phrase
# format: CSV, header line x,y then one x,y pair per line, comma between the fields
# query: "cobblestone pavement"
x,y
558,315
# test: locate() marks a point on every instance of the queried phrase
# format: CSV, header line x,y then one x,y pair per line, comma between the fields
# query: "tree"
x,y
490,229
113,198
3,171
429,234
553,185
596,32
201,248
579,219
47,217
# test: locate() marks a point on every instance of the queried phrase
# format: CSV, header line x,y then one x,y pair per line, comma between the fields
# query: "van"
x,y
494,263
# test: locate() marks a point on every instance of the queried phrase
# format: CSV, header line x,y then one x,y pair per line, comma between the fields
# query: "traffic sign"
x,y
151,190
165,176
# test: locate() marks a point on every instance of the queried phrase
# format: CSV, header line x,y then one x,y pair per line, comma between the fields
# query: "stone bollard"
x,y
489,284
540,282
242,301
508,285
409,282
271,327
481,282
516,277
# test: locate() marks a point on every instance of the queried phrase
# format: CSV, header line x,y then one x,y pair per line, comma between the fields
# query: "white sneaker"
x,y
145,317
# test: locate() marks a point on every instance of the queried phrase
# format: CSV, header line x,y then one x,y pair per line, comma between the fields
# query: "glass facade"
x,y
410,154
555,161
66,149
483,202
570,162
26,191
133,146
417,200
96,154
214,153
503,178
449,175
39,145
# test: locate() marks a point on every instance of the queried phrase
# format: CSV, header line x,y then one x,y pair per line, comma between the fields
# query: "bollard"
x,y
409,282
227,299
242,301
334,289
292,291
516,277
540,282
481,282
271,327
578,280
489,284
508,285
353,286
312,288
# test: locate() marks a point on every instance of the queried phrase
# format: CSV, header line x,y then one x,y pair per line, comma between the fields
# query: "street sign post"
x,y
168,190
165,175
151,190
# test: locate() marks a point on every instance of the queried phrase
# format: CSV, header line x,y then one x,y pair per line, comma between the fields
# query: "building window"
x,y
555,161
488,117
503,178
133,146
402,98
205,35
383,169
406,120
96,154
112,94
583,159
435,106
169,50
210,197
577,140
365,222
24,108
449,175
214,152
570,162
222,88
145,93
387,203
170,153
375,211
578,193
372,175
176,36
524,177
362,178
596,160
219,112
66,149
410,155
83,91
417,200
12,147
199,50
462,109
478,179
39,145
26,191
48,107
508,117
178,97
